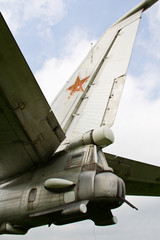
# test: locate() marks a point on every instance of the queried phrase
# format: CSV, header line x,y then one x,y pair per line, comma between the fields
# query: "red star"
x,y
77,86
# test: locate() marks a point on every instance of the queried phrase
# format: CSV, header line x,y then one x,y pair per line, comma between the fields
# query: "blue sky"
x,y
54,36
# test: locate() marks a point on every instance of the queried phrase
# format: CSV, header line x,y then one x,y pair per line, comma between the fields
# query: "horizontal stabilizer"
x,y
140,178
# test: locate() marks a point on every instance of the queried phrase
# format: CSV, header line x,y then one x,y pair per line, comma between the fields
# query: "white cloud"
x,y
151,42
136,125
50,11
47,12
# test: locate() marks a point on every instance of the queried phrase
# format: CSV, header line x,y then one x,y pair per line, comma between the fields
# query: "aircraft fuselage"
x,y
74,186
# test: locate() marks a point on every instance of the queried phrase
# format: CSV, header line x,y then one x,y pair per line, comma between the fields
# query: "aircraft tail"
x,y
91,96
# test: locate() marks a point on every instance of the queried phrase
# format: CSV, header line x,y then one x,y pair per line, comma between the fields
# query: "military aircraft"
x,y
52,166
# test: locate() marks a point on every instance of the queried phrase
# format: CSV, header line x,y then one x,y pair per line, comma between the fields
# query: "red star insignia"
x,y
77,86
